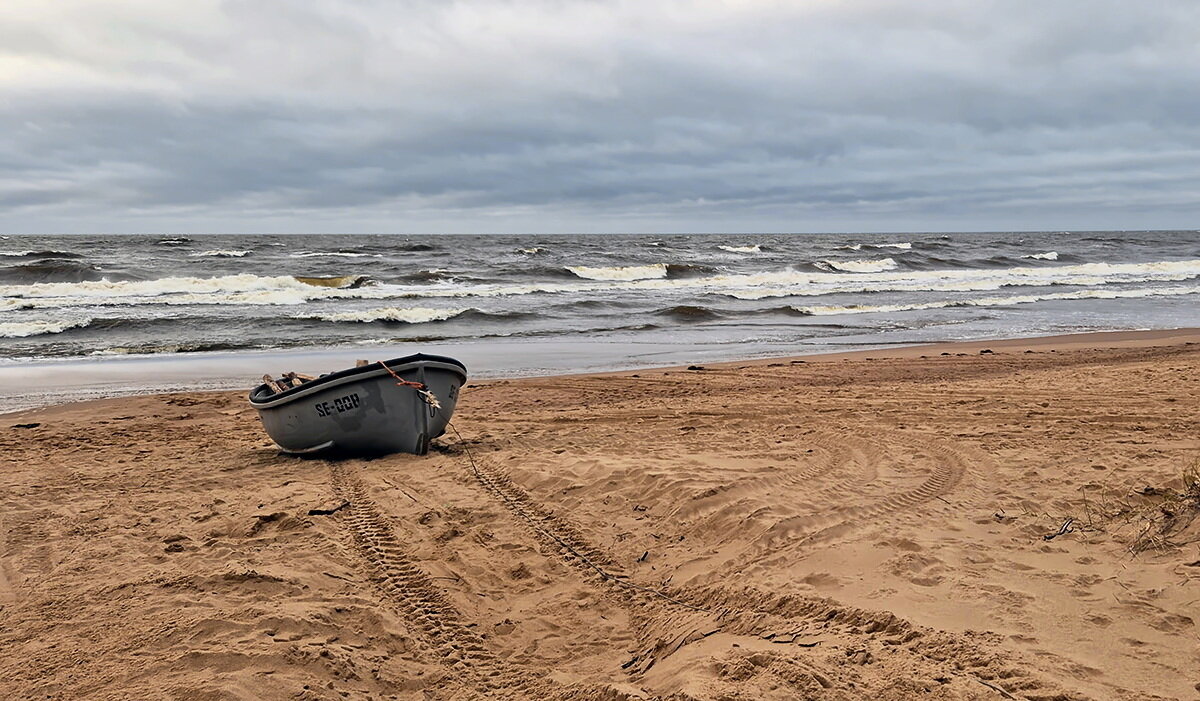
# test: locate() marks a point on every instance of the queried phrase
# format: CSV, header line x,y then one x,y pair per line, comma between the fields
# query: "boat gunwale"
x,y
361,373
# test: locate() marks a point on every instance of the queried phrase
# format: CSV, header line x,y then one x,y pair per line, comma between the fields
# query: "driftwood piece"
x,y
275,386
296,379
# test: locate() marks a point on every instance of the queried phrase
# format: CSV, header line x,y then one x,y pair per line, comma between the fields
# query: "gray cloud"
x,y
597,116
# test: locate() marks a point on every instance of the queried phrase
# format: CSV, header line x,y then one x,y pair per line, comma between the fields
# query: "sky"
x,y
276,116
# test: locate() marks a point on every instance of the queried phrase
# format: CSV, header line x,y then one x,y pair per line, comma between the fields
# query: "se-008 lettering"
x,y
337,406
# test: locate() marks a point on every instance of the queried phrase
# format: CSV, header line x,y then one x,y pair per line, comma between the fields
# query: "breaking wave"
x,y
756,248
227,289
287,290
862,266
24,329
39,254
340,282
334,254
220,253
825,310
627,272
860,246
1048,255
407,315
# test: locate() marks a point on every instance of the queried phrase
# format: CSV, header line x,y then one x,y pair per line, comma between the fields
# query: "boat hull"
x,y
364,411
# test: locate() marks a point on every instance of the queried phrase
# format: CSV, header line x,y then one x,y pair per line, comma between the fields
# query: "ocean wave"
x,y
167,348
252,289
756,248
340,282
904,245
39,254
407,315
433,275
333,254
531,251
799,283
862,266
220,253
1005,301
64,270
628,272
174,241
227,289
1048,255
41,327
689,312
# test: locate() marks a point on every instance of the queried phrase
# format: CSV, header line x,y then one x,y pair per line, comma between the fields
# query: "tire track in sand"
x,y
825,456
423,605
949,468
662,623
673,618
8,593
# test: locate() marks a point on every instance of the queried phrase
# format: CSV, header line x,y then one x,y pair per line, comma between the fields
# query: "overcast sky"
x,y
593,116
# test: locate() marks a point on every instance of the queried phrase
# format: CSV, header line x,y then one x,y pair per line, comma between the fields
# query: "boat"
x,y
390,406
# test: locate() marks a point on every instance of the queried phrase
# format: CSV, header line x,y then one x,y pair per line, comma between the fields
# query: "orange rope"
x,y
400,380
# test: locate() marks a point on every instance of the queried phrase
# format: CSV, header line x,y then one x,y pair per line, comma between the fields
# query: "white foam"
x,y
22,329
797,283
221,253
628,272
408,315
756,248
285,290
333,254
1048,255
16,254
532,251
862,266
830,310
227,289
904,245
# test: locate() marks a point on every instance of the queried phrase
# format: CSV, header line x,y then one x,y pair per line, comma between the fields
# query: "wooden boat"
x,y
391,406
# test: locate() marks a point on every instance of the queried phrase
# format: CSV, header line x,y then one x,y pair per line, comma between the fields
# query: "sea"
x,y
78,306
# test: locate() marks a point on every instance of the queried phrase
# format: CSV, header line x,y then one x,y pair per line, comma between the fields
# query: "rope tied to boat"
x,y
422,391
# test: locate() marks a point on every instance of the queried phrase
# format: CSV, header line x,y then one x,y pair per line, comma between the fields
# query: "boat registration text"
x,y
337,406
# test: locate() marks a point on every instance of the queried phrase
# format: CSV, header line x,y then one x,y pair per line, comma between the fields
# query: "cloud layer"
x,y
364,115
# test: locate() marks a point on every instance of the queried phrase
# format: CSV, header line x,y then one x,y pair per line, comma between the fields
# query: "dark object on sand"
x,y
390,406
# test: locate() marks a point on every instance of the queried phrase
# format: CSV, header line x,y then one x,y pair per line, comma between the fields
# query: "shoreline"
x,y
45,374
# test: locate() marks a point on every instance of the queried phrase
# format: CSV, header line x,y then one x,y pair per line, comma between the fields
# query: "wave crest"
x,y
829,310
626,272
862,266
903,245
220,253
333,254
407,315
41,327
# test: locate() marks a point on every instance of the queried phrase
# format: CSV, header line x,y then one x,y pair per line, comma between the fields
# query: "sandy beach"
x,y
992,520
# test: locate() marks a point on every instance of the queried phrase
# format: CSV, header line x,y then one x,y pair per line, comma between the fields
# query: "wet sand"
x,y
963,525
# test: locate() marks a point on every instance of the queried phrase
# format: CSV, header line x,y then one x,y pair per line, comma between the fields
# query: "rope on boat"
x,y
427,396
